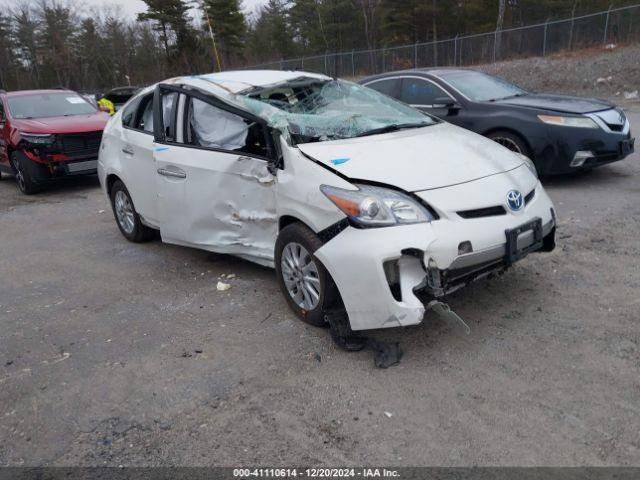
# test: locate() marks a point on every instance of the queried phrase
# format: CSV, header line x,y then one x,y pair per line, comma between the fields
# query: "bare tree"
x,y
369,9
499,24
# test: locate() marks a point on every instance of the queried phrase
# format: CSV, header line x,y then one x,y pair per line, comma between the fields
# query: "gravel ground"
x,y
114,353
593,73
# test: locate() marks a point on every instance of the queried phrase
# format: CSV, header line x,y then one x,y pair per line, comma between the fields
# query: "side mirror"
x,y
445,102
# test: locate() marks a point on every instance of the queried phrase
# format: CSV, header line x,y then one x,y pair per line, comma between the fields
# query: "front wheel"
x,y
305,283
127,218
510,141
24,180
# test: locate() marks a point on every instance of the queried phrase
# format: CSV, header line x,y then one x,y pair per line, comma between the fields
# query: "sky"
x,y
133,7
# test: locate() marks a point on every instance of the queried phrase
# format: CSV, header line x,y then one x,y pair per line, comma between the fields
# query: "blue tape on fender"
x,y
339,161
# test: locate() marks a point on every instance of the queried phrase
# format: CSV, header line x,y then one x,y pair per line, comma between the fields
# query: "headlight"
x,y
376,206
530,165
578,122
37,138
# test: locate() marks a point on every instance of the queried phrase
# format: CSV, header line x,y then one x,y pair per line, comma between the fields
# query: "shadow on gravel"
x,y
605,175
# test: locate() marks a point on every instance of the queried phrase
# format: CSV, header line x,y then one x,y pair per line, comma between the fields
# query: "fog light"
x,y
465,247
580,157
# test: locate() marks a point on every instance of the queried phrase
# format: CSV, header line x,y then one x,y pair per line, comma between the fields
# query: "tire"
x,y
511,141
297,239
22,167
127,218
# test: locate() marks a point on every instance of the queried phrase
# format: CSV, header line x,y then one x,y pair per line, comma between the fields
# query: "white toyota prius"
x,y
359,202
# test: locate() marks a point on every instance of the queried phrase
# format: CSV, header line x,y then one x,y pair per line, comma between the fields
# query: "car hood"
x,y
413,160
558,103
71,124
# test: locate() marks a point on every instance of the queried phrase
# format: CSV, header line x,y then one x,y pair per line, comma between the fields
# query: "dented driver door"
x,y
214,188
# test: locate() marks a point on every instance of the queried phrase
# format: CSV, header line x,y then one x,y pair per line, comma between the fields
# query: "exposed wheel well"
x,y
512,132
111,179
10,152
286,220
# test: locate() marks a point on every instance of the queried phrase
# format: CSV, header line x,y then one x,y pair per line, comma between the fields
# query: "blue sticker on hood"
x,y
161,149
339,161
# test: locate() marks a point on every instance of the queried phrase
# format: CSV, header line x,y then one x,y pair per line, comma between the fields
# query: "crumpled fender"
x,y
355,260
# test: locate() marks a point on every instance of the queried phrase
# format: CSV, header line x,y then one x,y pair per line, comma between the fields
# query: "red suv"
x,y
48,134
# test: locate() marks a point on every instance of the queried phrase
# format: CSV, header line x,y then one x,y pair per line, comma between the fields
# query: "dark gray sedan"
x,y
561,134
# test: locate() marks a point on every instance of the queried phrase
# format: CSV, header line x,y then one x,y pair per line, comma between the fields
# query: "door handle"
x,y
127,151
171,173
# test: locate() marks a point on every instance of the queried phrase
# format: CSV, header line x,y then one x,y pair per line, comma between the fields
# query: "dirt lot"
x,y
596,72
120,354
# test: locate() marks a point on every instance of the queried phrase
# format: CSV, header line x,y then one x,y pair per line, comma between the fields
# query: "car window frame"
x,y
206,97
424,79
138,113
397,89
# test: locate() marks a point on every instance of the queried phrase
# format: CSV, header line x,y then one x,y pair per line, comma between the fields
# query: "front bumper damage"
x,y
67,155
388,276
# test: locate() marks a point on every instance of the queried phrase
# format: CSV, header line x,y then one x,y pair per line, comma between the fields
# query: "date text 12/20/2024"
x,y
315,473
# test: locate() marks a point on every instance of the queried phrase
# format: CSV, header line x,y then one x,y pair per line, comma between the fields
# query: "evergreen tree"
x,y
7,62
229,27
171,23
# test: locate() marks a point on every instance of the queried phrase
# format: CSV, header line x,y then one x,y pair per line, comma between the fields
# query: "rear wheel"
x,y
305,283
127,218
511,141
22,168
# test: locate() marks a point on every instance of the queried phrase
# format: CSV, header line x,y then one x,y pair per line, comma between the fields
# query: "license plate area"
x,y
627,146
82,166
513,253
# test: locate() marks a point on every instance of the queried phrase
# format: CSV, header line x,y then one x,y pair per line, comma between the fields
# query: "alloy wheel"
x,y
124,211
19,176
300,275
508,143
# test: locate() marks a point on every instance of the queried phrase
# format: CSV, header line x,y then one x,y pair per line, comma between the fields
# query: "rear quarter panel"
x,y
109,158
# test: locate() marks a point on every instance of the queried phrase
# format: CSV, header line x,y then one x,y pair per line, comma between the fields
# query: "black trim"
x,y
496,211
512,252
529,196
333,230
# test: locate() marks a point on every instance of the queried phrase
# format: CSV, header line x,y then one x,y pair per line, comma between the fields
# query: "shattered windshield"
x,y
319,110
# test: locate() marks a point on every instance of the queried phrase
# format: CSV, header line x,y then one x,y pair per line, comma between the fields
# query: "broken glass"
x,y
320,110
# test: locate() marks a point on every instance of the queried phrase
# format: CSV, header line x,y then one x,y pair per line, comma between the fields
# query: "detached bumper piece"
x,y
527,238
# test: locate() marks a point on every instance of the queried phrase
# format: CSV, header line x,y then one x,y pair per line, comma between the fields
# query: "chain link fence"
x,y
619,25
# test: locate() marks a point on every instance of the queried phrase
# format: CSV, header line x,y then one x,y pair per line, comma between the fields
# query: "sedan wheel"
x,y
23,175
300,275
127,218
303,280
508,143
19,176
124,212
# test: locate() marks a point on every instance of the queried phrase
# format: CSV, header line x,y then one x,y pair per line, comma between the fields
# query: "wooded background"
x,y
47,43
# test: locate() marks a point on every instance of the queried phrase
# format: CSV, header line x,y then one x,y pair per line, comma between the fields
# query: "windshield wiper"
x,y
392,128
507,97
